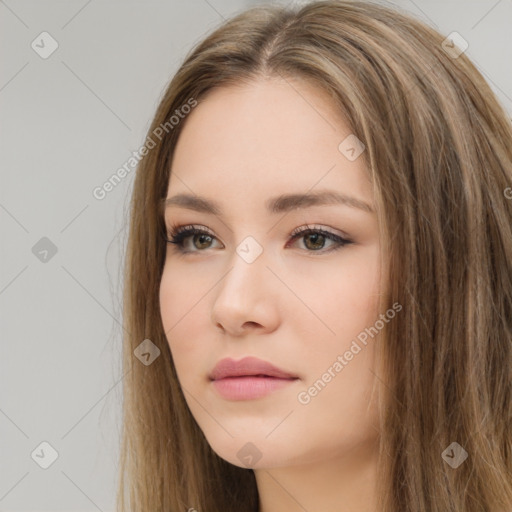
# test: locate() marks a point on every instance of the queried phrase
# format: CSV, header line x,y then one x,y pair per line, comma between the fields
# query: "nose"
x,y
246,298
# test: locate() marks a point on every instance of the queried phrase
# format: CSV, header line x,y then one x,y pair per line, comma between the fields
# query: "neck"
x,y
343,483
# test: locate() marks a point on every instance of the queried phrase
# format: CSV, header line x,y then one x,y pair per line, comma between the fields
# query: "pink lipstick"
x,y
248,379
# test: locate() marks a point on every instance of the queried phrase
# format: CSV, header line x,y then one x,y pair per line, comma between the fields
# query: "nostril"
x,y
251,324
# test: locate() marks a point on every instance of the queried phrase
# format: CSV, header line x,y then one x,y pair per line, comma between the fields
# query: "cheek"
x,y
181,308
357,297
181,294
344,295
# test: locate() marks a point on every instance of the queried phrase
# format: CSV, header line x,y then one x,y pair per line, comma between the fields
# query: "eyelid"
x,y
321,227
183,227
174,228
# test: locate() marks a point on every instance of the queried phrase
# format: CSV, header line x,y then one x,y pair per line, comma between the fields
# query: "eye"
x,y
201,238
315,238
179,234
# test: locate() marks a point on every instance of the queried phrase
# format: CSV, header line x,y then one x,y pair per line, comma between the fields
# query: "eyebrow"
x,y
279,204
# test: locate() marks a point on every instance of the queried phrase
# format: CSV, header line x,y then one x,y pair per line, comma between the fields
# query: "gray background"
x,y
68,123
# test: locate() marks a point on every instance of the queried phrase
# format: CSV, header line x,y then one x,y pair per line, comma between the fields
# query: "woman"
x,y
320,266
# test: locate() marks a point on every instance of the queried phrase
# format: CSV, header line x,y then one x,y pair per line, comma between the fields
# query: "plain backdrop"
x,y
69,120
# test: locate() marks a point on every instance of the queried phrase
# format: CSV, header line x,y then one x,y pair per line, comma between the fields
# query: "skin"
x,y
294,306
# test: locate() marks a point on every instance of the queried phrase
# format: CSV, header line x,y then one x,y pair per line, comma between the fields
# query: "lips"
x,y
246,367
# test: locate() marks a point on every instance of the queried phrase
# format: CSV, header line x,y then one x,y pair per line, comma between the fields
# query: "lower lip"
x,y
248,388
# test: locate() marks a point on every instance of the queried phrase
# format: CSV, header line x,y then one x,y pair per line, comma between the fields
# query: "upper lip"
x,y
246,367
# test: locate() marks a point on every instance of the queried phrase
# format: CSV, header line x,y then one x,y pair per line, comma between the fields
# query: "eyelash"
x,y
177,234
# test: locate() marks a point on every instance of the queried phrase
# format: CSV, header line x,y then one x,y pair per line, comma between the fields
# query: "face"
x,y
294,285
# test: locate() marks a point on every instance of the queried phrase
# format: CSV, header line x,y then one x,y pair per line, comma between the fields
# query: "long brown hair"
x,y
439,153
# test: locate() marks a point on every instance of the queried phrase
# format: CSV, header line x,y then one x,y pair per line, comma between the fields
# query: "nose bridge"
x,y
247,265
242,297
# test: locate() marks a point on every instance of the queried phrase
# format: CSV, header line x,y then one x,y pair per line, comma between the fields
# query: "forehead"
x,y
266,137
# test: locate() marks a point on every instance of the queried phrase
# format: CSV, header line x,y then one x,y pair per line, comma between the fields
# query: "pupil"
x,y
313,235
202,239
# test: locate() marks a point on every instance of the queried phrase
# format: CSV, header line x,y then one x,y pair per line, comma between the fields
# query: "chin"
x,y
258,453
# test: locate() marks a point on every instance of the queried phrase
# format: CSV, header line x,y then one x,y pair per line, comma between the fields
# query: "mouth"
x,y
250,387
254,376
248,378
248,367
